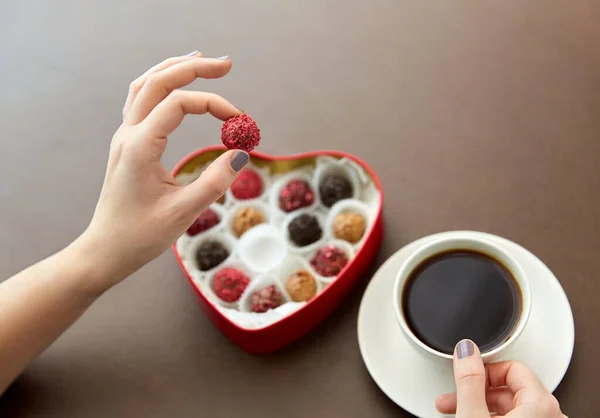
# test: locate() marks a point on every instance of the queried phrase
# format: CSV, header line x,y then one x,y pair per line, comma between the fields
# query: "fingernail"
x,y
191,54
223,58
239,160
464,349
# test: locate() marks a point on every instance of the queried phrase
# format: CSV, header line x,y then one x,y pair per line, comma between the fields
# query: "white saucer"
x,y
412,382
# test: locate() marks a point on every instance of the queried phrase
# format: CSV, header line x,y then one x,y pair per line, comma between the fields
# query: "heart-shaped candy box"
x,y
317,215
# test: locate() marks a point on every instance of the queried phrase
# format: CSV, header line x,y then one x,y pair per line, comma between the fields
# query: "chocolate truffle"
x,y
295,195
265,299
240,132
329,261
333,188
248,185
245,219
207,219
304,230
229,284
301,286
349,226
210,254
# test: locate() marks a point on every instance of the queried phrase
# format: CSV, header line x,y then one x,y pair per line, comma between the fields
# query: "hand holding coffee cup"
x,y
493,388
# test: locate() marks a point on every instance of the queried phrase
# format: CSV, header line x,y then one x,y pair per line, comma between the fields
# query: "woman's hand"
x,y
142,209
507,388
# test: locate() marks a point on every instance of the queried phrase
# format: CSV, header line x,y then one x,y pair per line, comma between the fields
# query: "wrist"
x,y
98,269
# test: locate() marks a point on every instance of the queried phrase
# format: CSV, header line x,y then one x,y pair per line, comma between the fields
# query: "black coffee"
x,y
462,294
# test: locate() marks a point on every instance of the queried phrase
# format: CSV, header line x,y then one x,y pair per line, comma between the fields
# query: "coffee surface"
x,y
462,294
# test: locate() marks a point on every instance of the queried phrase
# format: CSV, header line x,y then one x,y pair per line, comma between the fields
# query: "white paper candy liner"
x,y
245,302
183,241
329,166
188,255
187,178
307,248
281,182
352,206
209,292
231,200
293,264
262,248
253,320
231,213
342,245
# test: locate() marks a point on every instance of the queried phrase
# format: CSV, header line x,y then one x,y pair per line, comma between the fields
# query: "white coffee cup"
x,y
443,245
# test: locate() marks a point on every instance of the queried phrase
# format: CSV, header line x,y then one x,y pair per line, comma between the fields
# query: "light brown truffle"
x,y
245,219
349,226
301,286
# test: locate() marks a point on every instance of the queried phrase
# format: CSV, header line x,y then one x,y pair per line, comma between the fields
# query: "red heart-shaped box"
x,y
285,331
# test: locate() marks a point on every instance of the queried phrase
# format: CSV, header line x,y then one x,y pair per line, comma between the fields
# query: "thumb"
x,y
214,181
469,374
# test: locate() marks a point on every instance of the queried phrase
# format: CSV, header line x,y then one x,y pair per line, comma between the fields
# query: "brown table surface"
x,y
479,115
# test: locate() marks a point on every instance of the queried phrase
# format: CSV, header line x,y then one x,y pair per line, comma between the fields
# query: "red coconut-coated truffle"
x,y
207,219
248,185
295,195
329,261
240,132
265,299
229,284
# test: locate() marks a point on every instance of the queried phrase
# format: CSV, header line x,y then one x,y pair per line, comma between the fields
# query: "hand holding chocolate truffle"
x,y
140,201
141,211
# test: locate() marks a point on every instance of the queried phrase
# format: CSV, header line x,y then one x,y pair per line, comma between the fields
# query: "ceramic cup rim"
x,y
472,243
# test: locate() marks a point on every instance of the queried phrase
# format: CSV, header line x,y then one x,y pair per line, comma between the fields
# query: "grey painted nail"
x,y
191,54
223,58
464,349
239,160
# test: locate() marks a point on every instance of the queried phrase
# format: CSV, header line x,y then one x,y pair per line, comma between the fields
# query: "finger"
x,y
469,375
499,400
513,374
167,116
160,84
136,85
213,182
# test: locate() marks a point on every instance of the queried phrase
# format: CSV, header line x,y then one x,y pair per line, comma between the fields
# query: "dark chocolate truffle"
x,y
245,219
301,286
304,230
207,219
229,284
240,132
349,226
248,185
210,254
295,195
329,261
265,299
333,188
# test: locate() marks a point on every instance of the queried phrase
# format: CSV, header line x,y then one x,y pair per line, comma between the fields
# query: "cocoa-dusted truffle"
x,y
333,188
245,219
349,226
265,299
210,254
240,132
248,185
207,219
329,261
301,286
304,230
229,283
295,195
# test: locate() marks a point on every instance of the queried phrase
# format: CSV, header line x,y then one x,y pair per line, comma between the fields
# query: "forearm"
x,y
38,304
